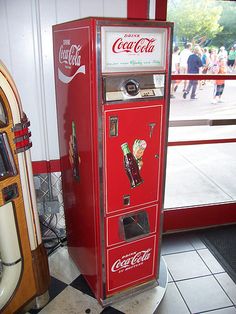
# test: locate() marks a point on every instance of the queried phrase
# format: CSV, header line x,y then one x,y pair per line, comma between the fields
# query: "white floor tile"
x,y
203,294
210,261
228,285
186,265
175,243
62,267
170,279
172,302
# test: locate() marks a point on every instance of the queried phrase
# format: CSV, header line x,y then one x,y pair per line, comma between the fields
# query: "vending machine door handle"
x,y
151,128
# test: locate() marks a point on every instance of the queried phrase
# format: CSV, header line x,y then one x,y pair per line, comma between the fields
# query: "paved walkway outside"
x,y
201,174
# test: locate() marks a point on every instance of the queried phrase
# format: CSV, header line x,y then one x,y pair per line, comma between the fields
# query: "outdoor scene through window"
x,y
202,111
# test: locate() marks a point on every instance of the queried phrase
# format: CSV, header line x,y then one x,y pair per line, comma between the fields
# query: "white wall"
x,y
26,49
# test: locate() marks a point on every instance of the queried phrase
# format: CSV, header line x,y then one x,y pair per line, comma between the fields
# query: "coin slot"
x,y
126,200
131,87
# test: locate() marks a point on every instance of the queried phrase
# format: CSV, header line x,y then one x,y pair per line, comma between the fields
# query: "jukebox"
x,y
24,273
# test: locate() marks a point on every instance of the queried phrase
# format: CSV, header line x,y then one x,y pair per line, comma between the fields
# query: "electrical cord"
x,y
51,243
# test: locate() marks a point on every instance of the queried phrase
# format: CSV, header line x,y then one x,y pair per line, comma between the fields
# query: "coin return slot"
x,y
126,200
135,225
10,192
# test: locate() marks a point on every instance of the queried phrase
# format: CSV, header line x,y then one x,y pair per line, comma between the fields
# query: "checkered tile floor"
x,y
197,284
69,295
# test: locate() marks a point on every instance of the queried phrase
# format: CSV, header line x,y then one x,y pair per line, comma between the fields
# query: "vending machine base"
x,y
131,292
156,290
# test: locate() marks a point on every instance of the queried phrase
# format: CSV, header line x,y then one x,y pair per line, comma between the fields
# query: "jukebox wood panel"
x,y
25,273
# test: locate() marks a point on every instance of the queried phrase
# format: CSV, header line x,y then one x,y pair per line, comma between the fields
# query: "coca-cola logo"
x,y
69,55
131,260
134,44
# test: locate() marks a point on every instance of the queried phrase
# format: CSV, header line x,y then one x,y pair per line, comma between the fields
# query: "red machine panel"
x,y
73,75
131,264
136,126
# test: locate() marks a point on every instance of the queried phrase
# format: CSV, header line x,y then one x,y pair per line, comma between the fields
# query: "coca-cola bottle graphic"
x,y
75,154
131,166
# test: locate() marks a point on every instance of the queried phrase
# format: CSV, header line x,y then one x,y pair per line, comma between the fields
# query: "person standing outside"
x,y
231,59
214,60
223,53
205,60
194,65
174,70
219,84
205,64
183,59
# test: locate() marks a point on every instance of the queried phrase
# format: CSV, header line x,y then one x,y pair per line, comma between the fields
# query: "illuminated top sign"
x,y
130,49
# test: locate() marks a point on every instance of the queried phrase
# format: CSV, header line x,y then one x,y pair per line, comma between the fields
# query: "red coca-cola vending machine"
x,y
112,93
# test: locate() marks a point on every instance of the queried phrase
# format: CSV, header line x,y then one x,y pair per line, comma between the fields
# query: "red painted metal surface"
x,y
161,10
146,193
203,76
131,263
138,9
199,217
113,230
75,70
201,142
46,166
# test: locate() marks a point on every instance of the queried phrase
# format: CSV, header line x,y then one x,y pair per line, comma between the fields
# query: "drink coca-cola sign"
x,y
133,49
140,45
70,59
131,260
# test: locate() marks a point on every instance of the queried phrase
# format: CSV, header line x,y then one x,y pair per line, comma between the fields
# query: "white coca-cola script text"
x,y
70,55
133,259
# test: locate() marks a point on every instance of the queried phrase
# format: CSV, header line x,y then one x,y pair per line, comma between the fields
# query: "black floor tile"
x,y
111,310
80,284
56,287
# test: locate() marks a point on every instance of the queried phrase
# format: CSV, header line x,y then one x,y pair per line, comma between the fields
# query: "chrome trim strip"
x,y
20,126
100,153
